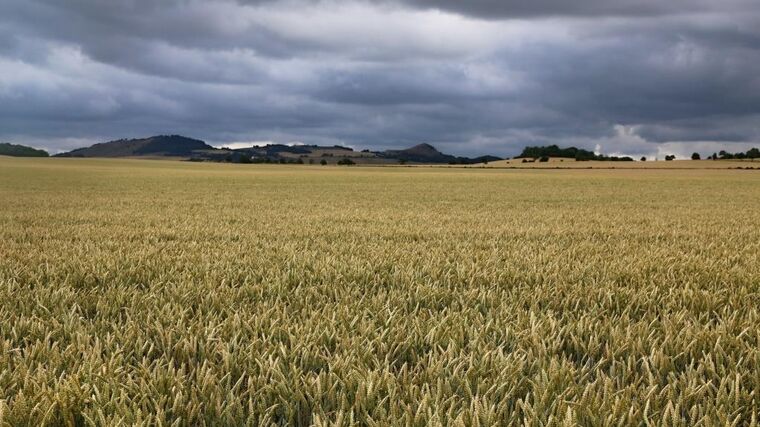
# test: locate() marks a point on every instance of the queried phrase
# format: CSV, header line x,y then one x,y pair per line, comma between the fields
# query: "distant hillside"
x,y
426,153
15,150
486,159
422,153
162,145
336,154
196,150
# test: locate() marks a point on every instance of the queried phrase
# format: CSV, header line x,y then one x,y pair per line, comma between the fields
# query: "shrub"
x,y
695,156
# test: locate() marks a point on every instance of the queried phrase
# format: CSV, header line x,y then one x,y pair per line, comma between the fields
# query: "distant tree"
x,y
643,158
752,153
714,156
283,161
245,159
585,155
544,159
402,161
346,162
323,162
578,154
695,156
299,161
311,161
670,157
555,151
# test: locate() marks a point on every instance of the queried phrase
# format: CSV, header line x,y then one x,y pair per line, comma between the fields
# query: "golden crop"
x,y
170,293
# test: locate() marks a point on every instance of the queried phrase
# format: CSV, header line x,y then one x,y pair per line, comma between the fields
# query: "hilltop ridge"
x,y
160,145
178,146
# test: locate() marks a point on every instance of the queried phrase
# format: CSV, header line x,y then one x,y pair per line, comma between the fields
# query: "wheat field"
x,y
171,293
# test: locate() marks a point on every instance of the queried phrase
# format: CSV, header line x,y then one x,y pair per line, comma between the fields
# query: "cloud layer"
x,y
630,77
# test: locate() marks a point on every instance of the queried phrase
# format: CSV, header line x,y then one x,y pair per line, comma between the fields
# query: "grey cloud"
x,y
383,74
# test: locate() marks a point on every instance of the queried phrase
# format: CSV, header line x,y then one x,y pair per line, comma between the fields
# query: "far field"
x,y
177,293
567,163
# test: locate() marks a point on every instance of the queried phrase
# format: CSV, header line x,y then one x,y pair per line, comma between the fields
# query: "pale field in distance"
x,y
156,292
567,163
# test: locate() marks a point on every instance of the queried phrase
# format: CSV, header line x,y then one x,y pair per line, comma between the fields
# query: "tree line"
x,y
579,154
752,153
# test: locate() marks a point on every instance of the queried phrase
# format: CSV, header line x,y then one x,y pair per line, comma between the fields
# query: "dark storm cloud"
x,y
472,77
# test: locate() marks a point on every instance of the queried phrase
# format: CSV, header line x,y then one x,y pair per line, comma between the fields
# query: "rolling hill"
x,y
426,153
176,146
422,153
155,146
15,150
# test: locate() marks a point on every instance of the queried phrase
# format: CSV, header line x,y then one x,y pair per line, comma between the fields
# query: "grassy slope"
x,y
15,150
142,290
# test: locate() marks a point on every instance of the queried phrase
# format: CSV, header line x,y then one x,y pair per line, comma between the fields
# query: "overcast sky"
x,y
638,77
